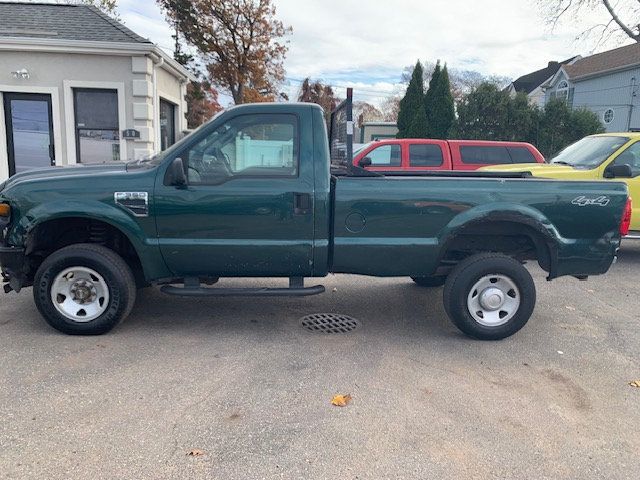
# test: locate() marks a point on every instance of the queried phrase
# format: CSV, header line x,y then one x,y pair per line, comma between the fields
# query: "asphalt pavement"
x,y
235,388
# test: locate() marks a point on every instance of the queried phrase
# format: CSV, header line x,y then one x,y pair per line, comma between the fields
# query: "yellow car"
x,y
607,156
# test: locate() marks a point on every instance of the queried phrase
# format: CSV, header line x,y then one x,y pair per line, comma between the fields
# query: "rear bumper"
x,y
12,265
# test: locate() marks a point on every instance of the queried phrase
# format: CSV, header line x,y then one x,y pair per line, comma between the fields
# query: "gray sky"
x,y
366,44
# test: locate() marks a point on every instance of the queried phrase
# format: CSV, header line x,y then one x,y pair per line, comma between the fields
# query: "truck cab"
x,y
416,155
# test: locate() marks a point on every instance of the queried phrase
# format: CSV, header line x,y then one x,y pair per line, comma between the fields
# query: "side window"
x,y
260,145
425,155
521,155
631,157
385,156
484,155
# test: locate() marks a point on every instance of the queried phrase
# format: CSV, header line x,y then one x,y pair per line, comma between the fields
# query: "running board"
x,y
192,288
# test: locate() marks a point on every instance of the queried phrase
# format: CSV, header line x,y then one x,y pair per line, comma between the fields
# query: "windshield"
x,y
589,152
157,158
361,148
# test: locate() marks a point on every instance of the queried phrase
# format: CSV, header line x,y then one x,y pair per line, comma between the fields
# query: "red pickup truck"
x,y
425,154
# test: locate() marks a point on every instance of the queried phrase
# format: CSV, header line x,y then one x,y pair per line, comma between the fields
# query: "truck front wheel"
x,y
84,289
489,296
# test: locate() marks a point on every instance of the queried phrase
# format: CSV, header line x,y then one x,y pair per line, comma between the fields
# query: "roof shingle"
x,y
617,58
62,21
529,82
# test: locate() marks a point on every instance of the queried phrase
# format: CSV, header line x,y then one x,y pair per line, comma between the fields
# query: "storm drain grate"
x,y
329,323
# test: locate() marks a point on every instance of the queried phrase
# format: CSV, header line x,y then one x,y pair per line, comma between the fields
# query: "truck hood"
x,y
546,170
46,174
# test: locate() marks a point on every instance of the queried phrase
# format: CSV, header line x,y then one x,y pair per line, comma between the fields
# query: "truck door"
x,y
630,156
247,208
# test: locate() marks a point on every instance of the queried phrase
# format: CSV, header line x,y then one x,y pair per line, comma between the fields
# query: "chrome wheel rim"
x,y
493,300
80,294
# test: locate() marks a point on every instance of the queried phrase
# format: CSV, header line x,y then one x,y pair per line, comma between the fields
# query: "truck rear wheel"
x,y
84,289
432,281
489,296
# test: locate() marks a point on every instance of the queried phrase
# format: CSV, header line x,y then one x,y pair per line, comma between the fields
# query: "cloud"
x,y
367,44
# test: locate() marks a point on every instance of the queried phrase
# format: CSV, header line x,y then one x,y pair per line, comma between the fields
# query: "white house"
x,y
77,86
531,83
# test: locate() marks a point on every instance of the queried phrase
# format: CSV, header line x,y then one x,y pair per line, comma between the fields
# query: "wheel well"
x,y
50,236
518,240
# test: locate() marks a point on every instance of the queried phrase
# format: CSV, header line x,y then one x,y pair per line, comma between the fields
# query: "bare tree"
x,y
621,19
365,112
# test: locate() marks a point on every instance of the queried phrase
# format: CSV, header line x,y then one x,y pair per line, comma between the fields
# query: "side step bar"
x,y
192,288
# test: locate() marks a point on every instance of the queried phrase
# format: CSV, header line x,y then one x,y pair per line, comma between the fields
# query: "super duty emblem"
x,y
136,202
601,201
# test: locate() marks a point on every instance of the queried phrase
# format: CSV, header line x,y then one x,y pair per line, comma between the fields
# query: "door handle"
x,y
301,203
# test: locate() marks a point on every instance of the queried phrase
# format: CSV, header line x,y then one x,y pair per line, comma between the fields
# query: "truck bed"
x,y
420,215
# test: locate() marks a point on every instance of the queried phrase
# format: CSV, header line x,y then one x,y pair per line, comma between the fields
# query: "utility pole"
x,y
634,93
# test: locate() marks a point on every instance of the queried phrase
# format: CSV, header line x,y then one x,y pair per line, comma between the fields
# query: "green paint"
x,y
247,226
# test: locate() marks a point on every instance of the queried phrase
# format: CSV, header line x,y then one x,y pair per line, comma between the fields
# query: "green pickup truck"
x,y
252,194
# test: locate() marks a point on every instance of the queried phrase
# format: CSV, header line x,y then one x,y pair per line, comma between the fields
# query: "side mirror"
x,y
175,173
618,171
364,162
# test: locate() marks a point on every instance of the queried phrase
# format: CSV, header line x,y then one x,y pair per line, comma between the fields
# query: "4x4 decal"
x,y
601,201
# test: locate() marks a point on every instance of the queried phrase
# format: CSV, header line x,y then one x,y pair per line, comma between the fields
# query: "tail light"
x,y
625,223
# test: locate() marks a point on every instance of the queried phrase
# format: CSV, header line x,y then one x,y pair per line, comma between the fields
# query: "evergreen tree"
x,y
431,90
439,105
418,128
412,105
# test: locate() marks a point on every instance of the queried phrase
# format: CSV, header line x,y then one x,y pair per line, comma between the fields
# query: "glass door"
x,y
29,131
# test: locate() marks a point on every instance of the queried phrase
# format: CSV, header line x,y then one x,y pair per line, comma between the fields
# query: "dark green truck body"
x,y
308,224
251,194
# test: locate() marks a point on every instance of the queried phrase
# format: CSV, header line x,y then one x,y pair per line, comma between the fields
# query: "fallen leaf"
x,y
569,307
196,452
635,383
341,400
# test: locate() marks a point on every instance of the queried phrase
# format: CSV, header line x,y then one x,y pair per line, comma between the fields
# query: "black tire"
x,y
470,271
117,276
433,281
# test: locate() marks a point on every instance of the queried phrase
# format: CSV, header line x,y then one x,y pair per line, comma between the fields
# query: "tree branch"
x,y
620,23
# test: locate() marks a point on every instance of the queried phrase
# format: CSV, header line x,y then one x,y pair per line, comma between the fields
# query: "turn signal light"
x,y
625,223
5,210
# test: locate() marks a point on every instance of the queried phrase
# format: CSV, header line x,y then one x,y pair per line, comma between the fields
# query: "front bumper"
x,y
12,263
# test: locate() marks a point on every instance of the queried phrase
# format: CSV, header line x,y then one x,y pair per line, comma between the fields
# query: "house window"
x,y
97,133
167,124
608,116
562,90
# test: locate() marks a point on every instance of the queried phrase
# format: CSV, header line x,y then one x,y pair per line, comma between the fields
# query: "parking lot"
x,y
239,383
